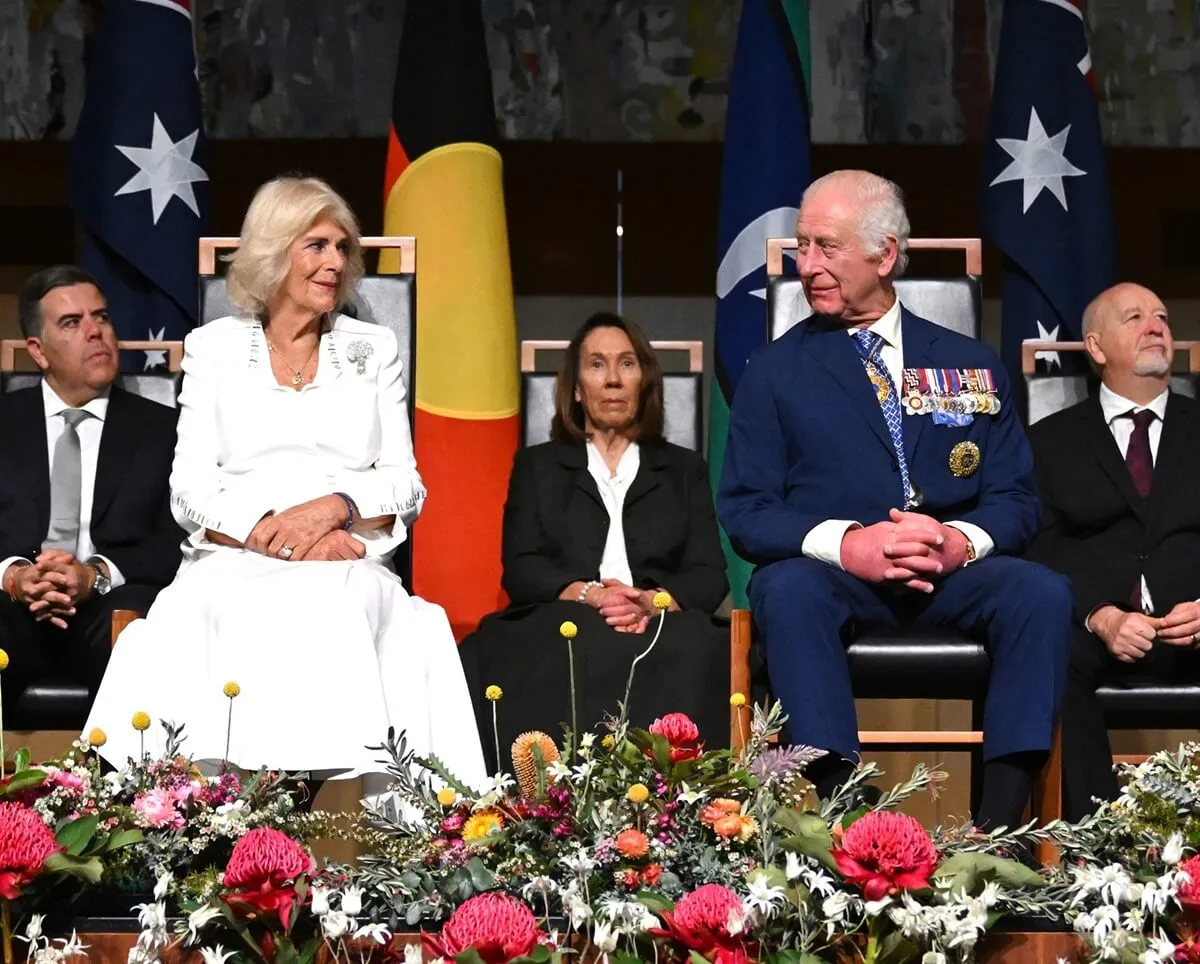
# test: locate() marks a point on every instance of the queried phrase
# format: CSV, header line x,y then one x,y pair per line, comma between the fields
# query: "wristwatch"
x,y
103,584
970,553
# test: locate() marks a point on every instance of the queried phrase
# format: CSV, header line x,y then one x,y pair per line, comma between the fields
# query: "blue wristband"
x,y
351,508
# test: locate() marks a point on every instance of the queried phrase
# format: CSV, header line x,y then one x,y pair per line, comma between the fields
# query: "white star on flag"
x,y
165,169
1051,358
155,358
1038,162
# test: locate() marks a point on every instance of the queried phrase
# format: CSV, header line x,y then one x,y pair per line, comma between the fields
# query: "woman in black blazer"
x,y
597,521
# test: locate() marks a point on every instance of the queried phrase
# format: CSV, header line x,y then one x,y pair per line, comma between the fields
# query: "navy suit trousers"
x,y
806,612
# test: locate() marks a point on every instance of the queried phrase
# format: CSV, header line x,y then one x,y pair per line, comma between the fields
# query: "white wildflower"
x,y
834,909
379,933
735,923
352,901
574,906
873,908
586,741
33,930
817,881
320,901
933,957
72,946
1173,851
162,885
1158,950
335,924
580,862
792,868
763,899
991,893
215,955
557,770
604,937
413,954
688,795
541,885
198,918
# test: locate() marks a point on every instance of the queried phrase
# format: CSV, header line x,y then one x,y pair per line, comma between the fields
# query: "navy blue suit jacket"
x,y
808,442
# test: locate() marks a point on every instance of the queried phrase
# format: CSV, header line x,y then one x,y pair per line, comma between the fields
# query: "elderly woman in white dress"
x,y
294,480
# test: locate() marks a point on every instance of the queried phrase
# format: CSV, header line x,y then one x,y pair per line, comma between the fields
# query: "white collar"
x,y
887,325
627,467
54,406
1114,405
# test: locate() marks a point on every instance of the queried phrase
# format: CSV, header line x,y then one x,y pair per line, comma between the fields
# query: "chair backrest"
x,y
158,386
955,303
1052,391
683,394
384,299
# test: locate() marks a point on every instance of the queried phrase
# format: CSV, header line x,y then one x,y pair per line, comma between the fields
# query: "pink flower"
x,y
157,808
700,922
883,852
25,843
64,778
498,927
1188,894
262,871
681,733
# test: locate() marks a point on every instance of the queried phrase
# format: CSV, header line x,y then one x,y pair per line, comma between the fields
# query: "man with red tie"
x,y
1117,475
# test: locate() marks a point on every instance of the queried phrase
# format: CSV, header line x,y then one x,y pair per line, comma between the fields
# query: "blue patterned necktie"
x,y
869,345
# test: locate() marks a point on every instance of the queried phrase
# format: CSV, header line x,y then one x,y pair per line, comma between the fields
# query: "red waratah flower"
x,y
701,922
884,852
262,871
25,843
1188,895
497,926
681,733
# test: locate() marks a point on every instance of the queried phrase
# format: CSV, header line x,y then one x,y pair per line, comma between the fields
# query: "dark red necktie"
x,y
1141,468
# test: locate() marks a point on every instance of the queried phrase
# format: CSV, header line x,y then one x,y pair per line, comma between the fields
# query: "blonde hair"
x,y
281,211
882,211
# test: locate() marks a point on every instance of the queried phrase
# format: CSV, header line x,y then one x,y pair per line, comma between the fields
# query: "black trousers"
x,y
40,651
1087,753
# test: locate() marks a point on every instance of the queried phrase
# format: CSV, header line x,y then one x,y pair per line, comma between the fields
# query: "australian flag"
x,y
138,170
1045,188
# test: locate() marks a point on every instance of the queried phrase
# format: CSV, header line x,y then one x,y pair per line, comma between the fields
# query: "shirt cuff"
x,y
116,578
982,542
824,541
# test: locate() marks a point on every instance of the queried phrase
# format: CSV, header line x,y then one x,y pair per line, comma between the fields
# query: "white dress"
x,y
328,655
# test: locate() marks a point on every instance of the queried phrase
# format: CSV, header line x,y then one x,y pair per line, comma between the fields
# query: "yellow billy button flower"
x,y
638,793
97,737
493,692
141,721
662,600
737,700
231,689
446,797
3,660
608,742
568,630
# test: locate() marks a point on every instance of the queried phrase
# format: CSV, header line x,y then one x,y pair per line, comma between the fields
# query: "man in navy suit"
x,y
877,474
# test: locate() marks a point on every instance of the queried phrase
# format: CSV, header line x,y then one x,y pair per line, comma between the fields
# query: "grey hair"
x,y
883,215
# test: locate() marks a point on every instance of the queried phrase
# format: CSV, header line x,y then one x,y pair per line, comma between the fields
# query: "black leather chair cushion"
x,y
1151,707
682,408
918,664
1052,392
54,704
955,303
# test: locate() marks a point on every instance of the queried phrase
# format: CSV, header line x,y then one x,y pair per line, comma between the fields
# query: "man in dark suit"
x,y
1117,476
877,473
85,521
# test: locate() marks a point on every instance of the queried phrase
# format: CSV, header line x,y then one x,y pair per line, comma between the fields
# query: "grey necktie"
x,y
66,484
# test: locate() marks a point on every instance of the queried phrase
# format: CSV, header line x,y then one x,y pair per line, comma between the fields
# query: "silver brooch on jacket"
x,y
359,351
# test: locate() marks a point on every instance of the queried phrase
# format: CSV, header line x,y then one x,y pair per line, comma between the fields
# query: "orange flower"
x,y
651,874
719,808
632,843
729,825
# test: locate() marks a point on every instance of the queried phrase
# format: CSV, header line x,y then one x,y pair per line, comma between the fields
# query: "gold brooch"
x,y
883,385
964,459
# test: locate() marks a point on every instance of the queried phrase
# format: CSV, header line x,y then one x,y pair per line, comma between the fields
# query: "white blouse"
x,y
614,564
248,445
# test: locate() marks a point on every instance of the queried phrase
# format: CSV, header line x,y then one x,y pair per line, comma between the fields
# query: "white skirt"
x,y
328,656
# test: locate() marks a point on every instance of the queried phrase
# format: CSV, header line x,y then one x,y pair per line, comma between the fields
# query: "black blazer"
x,y
555,525
1097,530
131,511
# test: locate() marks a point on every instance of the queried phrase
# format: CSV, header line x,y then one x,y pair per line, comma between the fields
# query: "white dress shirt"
x,y
89,431
1114,407
614,486
824,540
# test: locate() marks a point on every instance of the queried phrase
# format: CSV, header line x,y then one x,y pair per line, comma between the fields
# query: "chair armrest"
x,y
120,619
740,633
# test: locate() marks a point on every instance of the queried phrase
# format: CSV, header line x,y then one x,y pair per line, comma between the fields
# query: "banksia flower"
x,y
525,764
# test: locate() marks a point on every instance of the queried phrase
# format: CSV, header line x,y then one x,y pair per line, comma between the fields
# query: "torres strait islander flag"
x,y
443,186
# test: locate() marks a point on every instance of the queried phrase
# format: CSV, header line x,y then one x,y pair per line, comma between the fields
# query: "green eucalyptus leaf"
x,y
24,780
481,878
895,948
853,816
412,916
654,901
122,838
21,759
87,869
74,836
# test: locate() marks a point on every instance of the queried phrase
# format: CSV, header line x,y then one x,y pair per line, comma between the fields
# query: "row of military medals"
x,y
950,391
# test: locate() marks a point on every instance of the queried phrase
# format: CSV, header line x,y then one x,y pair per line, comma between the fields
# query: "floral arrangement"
x,y
1129,886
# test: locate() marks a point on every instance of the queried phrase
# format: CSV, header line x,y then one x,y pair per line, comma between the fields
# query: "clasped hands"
x,y
624,608
910,549
310,531
53,586
1130,635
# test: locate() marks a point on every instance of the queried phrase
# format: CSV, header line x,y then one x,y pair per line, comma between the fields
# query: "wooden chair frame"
x,y
530,348
174,349
405,245
1030,350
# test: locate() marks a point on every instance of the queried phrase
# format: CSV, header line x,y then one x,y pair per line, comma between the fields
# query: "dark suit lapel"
x,y
573,457
1170,463
835,350
650,474
118,445
1103,447
29,429
917,349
